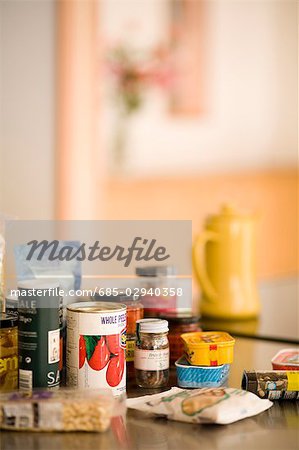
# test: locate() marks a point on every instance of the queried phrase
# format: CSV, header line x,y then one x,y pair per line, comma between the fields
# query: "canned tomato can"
x,y
39,313
96,343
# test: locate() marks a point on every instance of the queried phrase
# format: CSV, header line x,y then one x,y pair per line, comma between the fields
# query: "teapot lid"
x,y
228,212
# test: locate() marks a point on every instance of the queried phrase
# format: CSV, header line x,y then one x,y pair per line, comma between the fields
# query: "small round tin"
x,y
208,348
286,359
200,376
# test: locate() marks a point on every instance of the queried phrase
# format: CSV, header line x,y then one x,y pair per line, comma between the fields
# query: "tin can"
x,y
200,376
272,384
134,313
286,359
39,334
8,352
96,343
208,348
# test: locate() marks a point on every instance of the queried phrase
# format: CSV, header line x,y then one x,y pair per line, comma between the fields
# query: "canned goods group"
x,y
96,343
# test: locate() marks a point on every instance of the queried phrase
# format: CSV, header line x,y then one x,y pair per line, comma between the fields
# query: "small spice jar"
x,y
8,352
179,323
151,359
160,284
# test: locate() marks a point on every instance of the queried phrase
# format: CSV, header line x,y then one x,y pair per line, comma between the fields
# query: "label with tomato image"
x,y
96,344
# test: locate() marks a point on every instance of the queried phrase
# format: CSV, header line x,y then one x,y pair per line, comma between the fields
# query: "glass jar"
x,y
151,359
179,323
8,353
11,305
160,284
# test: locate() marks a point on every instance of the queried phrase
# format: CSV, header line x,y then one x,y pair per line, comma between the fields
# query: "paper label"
x,y
95,355
19,415
53,346
130,349
293,380
25,379
151,359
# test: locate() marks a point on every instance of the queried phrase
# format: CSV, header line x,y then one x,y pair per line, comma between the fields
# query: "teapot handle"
x,y
199,266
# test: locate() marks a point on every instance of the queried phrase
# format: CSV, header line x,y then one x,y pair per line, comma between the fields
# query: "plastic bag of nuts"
x,y
59,410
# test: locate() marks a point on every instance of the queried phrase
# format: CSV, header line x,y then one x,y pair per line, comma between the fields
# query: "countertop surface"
x,y
274,429
279,318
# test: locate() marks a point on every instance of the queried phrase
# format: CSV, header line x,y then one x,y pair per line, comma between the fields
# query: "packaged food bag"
x,y
59,410
208,405
66,271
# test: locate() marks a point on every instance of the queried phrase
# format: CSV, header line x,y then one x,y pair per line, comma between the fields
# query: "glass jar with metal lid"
x,y
8,352
179,323
158,288
151,358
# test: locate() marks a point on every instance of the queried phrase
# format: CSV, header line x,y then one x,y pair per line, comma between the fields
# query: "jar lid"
x,y
37,283
179,318
11,301
8,321
122,295
152,326
156,271
11,298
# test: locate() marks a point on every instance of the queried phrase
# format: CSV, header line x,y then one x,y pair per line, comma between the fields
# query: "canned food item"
x,y
96,343
39,334
8,352
208,348
134,313
11,305
286,359
272,384
200,376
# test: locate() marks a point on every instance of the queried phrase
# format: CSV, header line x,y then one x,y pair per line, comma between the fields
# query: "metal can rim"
x,y
96,307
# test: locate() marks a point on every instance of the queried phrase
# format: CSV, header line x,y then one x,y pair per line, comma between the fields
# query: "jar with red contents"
x,y
178,324
160,285
134,313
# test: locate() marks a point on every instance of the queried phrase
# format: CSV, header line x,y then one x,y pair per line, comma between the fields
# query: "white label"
x,y
25,379
151,359
53,346
84,369
19,415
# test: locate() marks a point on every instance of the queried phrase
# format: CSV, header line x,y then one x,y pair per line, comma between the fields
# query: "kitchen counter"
x,y
278,319
274,429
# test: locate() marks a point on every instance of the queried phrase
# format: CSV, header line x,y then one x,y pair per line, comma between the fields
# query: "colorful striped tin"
x,y
200,376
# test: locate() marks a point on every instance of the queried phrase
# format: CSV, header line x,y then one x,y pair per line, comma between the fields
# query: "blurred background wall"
x,y
27,98
60,114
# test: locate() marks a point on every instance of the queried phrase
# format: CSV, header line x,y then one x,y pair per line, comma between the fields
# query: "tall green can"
x,y
39,310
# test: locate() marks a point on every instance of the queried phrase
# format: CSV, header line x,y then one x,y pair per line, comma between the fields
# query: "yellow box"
x,y
210,348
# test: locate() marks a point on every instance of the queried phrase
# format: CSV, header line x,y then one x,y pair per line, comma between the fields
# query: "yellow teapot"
x,y
224,263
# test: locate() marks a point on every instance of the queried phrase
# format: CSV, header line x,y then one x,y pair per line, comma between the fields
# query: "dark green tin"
x,y
39,310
